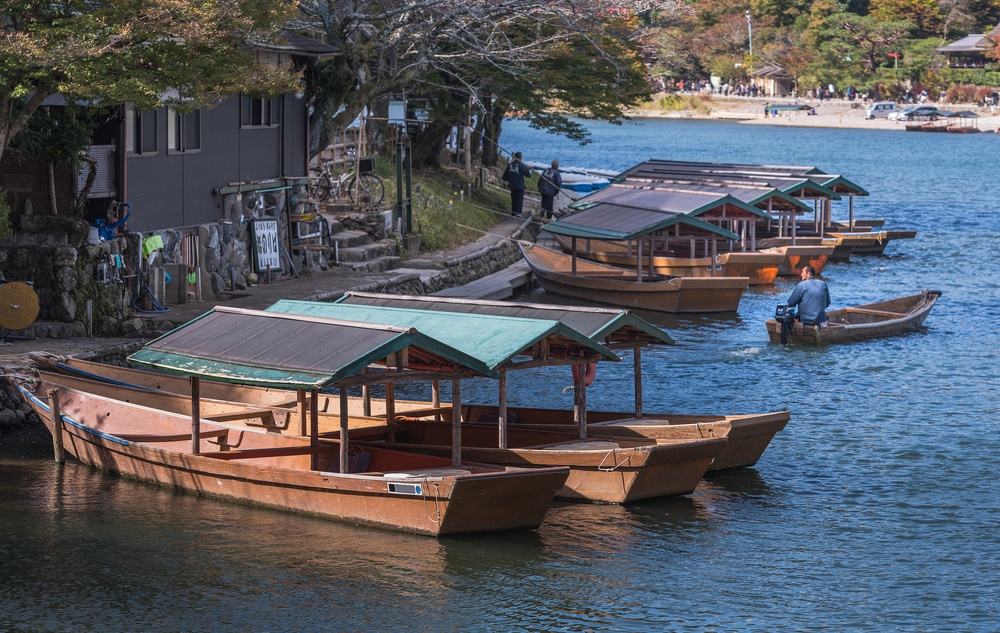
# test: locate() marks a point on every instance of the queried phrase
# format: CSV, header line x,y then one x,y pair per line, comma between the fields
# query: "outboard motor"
x,y
786,317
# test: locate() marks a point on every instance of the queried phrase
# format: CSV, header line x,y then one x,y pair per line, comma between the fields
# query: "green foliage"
x,y
56,135
445,218
676,102
145,52
5,227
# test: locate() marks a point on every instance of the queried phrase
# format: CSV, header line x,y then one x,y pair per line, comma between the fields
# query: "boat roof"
x,y
755,193
604,221
494,340
692,201
792,180
270,349
602,324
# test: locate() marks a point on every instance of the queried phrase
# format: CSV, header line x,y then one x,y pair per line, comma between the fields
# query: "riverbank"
x,y
836,113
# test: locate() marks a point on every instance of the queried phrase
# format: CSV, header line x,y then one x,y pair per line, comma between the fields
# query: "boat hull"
x,y
616,286
278,472
748,435
758,268
799,256
602,469
869,321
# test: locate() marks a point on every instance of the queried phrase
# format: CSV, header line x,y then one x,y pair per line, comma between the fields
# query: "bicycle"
x,y
364,188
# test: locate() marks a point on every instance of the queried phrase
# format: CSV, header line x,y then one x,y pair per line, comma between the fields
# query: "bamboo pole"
x,y
57,438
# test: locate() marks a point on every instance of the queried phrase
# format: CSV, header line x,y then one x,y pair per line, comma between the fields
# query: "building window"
x,y
260,112
141,126
183,131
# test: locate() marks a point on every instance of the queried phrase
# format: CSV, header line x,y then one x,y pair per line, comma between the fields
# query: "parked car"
x,y
913,113
880,109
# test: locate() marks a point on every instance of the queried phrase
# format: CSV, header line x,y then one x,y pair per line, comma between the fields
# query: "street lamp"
x,y
750,32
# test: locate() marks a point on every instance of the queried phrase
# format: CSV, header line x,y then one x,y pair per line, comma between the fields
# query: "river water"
x,y
875,509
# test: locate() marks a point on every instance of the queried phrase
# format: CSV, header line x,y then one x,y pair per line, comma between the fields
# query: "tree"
x,y
875,38
474,47
145,52
924,14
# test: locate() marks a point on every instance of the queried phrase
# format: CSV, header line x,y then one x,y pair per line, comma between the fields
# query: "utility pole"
x,y
750,33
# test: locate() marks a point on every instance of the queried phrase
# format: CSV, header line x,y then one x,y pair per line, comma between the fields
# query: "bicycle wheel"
x,y
319,188
366,189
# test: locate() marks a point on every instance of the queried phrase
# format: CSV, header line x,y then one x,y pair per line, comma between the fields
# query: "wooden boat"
x,y
581,279
872,320
759,268
798,256
602,469
388,489
748,435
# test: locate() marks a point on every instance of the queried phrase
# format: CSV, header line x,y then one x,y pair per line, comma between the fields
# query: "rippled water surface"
x,y
875,509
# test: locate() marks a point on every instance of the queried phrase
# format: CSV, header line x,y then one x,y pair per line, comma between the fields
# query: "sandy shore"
x,y
829,114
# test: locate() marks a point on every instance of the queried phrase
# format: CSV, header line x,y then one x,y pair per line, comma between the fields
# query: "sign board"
x,y
267,245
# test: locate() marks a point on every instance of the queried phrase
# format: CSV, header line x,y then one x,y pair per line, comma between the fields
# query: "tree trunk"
x,y
428,145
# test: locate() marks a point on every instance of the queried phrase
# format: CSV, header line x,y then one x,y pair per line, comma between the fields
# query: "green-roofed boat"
x,y
230,458
591,281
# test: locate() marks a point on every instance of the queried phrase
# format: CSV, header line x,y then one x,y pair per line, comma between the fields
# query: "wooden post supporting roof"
x,y
57,439
343,430
637,377
195,415
456,423
502,424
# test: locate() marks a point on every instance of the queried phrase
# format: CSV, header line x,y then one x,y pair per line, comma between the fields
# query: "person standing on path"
x,y
514,176
813,298
549,186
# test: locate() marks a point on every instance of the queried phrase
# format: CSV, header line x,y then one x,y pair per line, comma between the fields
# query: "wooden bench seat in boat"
x,y
891,315
421,473
152,438
265,418
583,445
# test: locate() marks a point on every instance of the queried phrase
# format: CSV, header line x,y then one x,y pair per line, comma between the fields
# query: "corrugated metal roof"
x,y
494,340
692,201
838,184
602,324
288,351
619,222
699,197
785,181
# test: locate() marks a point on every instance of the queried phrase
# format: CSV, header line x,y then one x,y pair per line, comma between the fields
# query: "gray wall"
x,y
175,190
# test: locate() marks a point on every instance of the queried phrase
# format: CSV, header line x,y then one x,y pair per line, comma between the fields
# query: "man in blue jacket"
x,y
514,176
813,298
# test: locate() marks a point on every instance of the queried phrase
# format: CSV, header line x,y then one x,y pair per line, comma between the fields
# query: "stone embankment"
x,y
424,275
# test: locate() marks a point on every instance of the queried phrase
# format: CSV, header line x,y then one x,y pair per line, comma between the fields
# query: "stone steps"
x,y
378,264
367,251
348,239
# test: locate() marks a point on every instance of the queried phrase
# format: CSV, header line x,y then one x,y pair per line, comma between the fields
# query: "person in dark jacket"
x,y
813,298
514,176
549,185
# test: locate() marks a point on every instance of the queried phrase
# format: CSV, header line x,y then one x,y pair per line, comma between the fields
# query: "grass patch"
x,y
442,215
677,102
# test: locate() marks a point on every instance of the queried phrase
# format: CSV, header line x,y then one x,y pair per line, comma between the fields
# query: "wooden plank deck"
x,y
500,285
